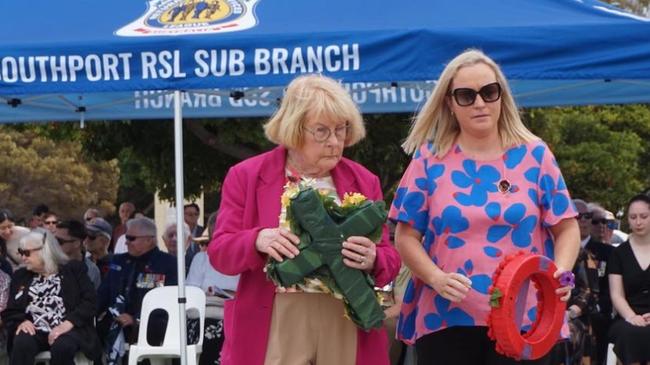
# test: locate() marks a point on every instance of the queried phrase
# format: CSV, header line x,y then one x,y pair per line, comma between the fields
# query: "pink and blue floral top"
x,y
468,225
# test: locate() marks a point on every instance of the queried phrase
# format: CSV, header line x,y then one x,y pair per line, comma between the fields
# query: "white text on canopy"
x,y
174,64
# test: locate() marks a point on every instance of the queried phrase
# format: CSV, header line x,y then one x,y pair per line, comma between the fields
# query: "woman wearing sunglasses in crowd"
x,y
629,282
10,234
480,186
51,304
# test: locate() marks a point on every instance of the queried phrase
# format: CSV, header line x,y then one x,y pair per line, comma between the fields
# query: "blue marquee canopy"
x,y
121,58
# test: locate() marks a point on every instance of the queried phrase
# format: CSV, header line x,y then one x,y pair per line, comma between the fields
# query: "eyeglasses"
x,y
51,223
63,241
133,238
466,96
28,251
322,133
585,215
611,224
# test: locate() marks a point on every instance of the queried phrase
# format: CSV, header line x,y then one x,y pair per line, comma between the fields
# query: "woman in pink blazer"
x,y
268,325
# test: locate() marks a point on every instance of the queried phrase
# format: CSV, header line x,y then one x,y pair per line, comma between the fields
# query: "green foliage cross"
x,y
321,241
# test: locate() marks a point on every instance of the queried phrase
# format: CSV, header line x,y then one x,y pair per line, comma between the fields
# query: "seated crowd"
x,y
68,287
64,289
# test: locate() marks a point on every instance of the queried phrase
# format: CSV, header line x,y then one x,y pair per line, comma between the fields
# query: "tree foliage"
x,y
381,150
36,168
146,151
603,151
638,7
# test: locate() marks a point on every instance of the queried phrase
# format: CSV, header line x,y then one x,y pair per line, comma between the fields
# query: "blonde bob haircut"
x,y
313,96
437,124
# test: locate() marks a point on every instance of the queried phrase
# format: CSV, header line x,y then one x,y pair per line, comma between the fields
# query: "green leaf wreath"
x,y
322,226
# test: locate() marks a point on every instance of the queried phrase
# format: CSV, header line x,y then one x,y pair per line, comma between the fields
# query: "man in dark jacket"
x,y
131,275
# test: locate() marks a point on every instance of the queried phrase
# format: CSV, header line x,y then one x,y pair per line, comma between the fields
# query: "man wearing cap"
x,y
98,238
71,234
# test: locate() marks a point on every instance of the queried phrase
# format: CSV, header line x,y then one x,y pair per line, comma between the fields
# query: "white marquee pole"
x,y
180,199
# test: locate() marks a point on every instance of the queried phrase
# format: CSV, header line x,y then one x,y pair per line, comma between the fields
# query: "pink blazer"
x,y
250,201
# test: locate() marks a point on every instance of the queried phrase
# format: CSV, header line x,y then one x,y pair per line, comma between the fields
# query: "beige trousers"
x,y
310,329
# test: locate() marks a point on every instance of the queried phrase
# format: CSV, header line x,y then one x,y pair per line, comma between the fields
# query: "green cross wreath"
x,y
322,226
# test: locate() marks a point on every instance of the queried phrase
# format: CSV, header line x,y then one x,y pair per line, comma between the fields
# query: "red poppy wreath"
x,y
507,282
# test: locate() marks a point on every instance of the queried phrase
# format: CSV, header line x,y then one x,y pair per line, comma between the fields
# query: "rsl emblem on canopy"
x,y
183,17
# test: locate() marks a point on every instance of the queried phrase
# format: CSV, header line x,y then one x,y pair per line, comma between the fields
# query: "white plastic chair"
x,y
45,356
165,298
611,355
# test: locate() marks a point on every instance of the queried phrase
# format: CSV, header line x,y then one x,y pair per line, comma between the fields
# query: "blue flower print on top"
x,y
538,154
493,210
410,206
450,318
399,197
549,248
521,226
532,175
418,154
481,282
482,181
514,156
428,184
552,198
532,315
492,251
451,221
429,239
406,324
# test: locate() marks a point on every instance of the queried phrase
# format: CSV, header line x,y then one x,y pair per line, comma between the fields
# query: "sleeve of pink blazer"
x,y
388,261
232,249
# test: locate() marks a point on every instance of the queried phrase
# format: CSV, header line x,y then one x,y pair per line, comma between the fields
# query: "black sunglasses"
x,y
466,96
585,215
64,241
133,238
28,251
599,221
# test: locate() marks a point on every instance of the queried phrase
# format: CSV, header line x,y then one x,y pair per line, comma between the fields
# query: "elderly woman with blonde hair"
x,y
316,120
480,186
51,304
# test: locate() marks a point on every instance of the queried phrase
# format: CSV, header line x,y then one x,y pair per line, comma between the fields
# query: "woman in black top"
x,y
7,232
51,305
629,282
